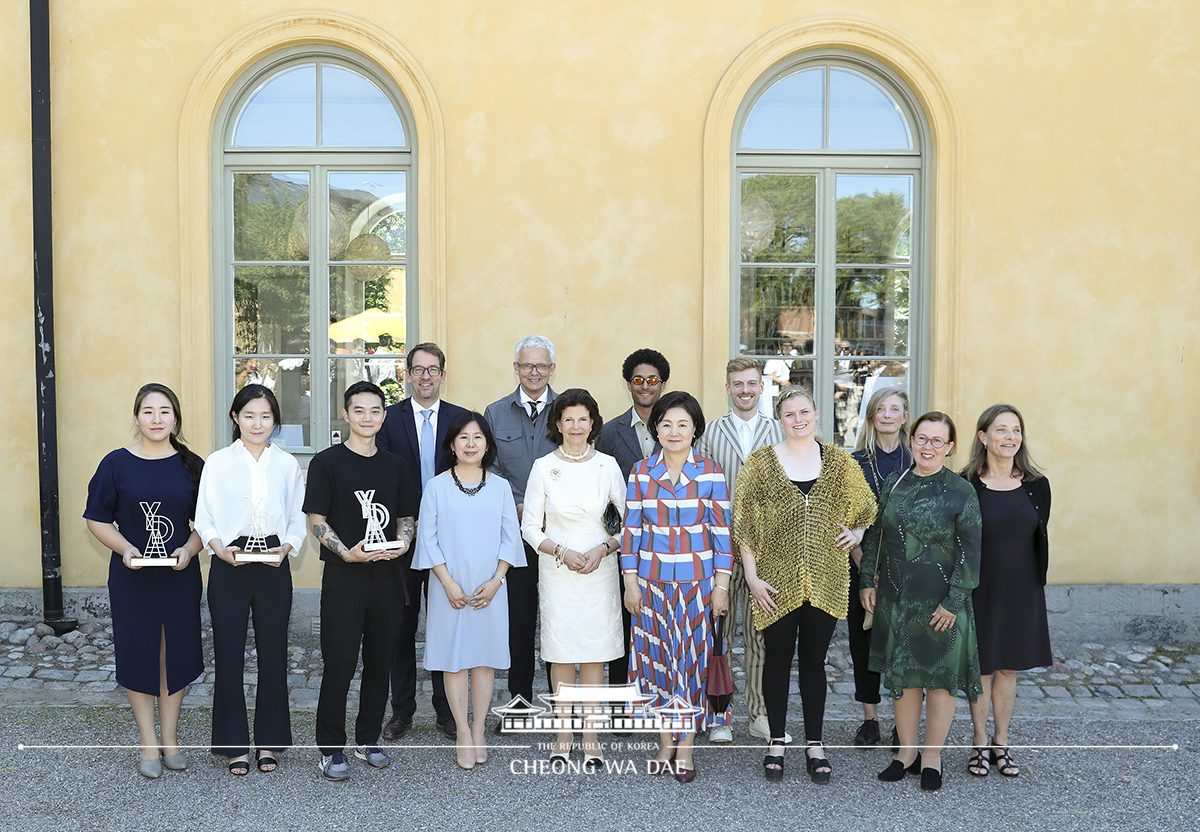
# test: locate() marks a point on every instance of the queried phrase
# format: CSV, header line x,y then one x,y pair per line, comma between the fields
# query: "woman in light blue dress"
x,y
469,537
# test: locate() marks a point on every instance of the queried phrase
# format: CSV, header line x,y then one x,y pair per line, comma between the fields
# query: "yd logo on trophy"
x,y
256,547
161,529
377,517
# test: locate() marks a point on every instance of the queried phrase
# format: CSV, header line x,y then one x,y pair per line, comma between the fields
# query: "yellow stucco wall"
x,y
573,138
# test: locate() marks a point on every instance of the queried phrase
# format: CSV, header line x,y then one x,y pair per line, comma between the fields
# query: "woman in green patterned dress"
x,y
925,540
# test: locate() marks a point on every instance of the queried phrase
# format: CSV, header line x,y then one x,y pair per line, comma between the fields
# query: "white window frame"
x,y
826,164
318,163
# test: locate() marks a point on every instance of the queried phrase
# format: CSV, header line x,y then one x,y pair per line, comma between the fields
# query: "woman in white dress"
x,y
566,498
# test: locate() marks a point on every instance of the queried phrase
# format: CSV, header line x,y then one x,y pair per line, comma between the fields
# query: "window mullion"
x,y
826,298
319,281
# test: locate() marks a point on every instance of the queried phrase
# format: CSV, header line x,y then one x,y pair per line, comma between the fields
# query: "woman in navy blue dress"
x,y
140,503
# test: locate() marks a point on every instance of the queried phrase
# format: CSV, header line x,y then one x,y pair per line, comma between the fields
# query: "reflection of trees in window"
x,y
872,303
270,301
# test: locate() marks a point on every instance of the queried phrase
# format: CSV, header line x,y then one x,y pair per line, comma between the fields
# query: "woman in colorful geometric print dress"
x,y
676,565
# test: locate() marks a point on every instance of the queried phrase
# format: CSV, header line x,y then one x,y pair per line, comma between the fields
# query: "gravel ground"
x,y
1059,788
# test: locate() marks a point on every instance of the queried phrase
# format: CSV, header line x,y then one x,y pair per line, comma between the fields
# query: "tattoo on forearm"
x,y
405,529
327,536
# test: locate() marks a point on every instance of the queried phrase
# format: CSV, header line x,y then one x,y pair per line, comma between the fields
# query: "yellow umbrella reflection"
x,y
369,325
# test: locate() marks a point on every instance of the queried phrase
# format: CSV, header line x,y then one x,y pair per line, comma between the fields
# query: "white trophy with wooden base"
x,y
377,517
161,530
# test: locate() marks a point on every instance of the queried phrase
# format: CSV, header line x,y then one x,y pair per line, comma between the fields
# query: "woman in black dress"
x,y
1010,602
140,502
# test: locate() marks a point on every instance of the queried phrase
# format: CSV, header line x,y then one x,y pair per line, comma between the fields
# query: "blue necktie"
x,y
427,451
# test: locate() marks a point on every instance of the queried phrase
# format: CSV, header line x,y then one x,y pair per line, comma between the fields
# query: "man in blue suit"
x,y
628,439
414,430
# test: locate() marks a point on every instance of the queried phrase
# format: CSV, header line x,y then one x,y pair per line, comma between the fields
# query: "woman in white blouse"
x,y
566,497
249,514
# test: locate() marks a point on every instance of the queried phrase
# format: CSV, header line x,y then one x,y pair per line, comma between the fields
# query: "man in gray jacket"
x,y
518,422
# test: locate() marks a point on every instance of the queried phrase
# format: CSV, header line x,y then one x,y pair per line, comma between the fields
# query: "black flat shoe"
x,y
894,773
774,774
931,779
815,764
448,727
868,734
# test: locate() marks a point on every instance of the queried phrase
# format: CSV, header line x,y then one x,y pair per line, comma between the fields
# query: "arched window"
x,y
830,235
315,237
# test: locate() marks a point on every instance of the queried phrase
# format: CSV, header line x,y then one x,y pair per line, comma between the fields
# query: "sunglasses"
x,y
649,381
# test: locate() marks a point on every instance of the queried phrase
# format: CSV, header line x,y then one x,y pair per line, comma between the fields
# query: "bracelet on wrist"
x,y
500,578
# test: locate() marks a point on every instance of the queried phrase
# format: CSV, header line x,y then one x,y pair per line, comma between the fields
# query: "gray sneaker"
x,y
334,767
373,755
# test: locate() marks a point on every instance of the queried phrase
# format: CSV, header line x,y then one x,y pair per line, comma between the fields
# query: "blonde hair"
x,y
737,365
868,438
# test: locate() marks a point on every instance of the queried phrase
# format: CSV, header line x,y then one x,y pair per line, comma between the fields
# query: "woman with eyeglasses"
x,y
923,554
881,450
1010,602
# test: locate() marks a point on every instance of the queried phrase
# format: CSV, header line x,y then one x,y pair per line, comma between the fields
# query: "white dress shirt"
x,y
419,416
526,399
746,429
234,481
643,434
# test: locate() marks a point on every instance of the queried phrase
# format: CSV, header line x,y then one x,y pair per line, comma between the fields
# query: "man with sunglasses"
x,y
518,421
415,430
628,439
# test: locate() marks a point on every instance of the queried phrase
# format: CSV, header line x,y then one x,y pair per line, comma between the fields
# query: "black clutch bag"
x,y
272,542
612,520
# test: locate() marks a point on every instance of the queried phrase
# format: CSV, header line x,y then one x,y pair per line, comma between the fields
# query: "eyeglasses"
x,y
432,372
648,381
935,442
541,369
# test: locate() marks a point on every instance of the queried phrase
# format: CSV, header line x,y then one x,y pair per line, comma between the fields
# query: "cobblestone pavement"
x,y
1122,681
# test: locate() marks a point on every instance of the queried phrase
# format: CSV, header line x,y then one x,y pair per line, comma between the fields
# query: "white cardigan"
x,y
273,483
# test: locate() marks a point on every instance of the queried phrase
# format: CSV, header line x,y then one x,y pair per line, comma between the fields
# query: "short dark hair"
x,y
456,426
677,398
575,397
362,387
936,417
429,347
646,356
248,394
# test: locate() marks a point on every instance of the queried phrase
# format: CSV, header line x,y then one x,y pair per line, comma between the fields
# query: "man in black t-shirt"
x,y
360,503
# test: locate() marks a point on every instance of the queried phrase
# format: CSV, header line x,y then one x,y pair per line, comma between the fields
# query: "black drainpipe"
x,y
43,317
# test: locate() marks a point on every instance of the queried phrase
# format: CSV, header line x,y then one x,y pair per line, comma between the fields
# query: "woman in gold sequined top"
x,y
800,507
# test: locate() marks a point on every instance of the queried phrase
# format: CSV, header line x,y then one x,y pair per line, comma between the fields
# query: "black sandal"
x,y
239,768
267,761
815,763
978,764
773,774
1004,761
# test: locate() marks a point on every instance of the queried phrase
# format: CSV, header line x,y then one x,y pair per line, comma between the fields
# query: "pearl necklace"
x,y
562,449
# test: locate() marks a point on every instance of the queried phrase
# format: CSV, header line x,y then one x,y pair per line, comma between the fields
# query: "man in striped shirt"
x,y
729,440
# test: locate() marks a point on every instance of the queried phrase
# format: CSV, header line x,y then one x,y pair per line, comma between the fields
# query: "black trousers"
x,y
404,665
522,624
812,629
234,594
866,683
361,606
618,668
